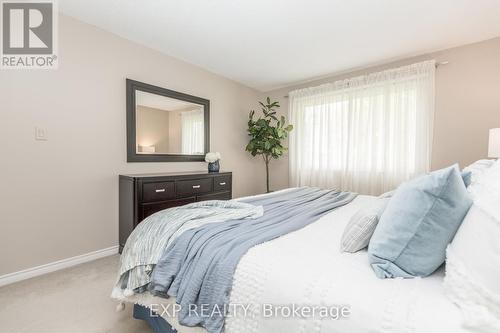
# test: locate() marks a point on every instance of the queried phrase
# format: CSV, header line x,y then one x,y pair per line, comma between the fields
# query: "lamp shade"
x,y
494,146
147,149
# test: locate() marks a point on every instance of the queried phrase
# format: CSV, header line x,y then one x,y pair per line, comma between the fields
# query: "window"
x,y
367,134
192,132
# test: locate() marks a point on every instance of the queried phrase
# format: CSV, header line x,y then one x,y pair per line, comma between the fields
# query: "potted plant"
x,y
267,134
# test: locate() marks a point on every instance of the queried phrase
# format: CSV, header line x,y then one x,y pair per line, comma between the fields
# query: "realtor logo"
x,y
29,35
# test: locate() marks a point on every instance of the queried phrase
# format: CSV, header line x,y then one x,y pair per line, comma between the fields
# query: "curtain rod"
x,y
441,63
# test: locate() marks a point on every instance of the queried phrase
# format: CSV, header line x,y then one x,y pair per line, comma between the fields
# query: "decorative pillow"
x,y
467,177
419,222
485,191
472,278
478,168
360,228
472,261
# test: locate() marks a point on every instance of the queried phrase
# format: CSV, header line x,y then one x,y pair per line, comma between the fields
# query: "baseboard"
x,y
56,265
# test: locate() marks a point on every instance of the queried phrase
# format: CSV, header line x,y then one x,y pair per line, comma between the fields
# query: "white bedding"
x,y
292,269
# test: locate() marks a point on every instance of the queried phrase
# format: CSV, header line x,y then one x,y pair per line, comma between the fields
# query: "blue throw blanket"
x,y
149,239
198,267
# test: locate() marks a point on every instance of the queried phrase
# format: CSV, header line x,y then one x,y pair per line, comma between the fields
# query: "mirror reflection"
x,y
167,125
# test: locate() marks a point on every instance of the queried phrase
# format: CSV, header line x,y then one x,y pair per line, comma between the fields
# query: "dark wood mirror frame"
x,y
132,156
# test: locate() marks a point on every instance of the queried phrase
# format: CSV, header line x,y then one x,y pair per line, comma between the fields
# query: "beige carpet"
x,y
74,300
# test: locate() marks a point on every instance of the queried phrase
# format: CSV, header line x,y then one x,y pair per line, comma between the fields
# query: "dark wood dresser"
x,y
144,194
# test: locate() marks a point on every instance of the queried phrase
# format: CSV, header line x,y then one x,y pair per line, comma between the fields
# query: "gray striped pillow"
x,y
360,228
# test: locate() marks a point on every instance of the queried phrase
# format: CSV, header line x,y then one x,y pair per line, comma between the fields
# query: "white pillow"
x,y
361,226
477,169
472,278
485,191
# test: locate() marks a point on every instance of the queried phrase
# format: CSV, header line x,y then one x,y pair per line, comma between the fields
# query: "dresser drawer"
x,y
215,196
151,208
222,183
196,186
158,191
145,194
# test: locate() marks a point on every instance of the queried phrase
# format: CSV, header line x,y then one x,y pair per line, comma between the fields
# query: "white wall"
x,y
467,104
59,198
152,128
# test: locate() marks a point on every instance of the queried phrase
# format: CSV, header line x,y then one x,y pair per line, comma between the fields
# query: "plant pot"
x,y
213,167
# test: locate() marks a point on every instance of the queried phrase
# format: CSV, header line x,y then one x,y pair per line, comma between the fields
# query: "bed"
x,y
306,267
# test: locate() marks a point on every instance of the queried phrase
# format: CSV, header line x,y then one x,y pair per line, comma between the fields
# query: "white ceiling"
x,y
266,44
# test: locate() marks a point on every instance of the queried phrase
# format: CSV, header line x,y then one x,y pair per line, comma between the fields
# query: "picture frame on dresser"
x,y
141,195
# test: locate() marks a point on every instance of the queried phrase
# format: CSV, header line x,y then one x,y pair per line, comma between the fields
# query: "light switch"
x,y
41,134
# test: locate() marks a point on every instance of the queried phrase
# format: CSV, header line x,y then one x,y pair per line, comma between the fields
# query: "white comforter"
x,y
306,267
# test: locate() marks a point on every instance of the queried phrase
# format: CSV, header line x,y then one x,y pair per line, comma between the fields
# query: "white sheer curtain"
x,y
367,134
192,132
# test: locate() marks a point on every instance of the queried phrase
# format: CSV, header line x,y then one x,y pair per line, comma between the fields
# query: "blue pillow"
x,y
467,177
419,222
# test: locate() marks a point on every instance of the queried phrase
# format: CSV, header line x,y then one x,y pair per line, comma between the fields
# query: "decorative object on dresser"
x,y
144,194
213,161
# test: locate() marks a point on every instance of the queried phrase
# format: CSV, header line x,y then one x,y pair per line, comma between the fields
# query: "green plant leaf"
x,y
267,132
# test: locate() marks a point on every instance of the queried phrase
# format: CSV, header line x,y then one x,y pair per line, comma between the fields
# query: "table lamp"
x,y
494,146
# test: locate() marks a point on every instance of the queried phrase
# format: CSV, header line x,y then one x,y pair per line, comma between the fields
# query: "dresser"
x,y
144,194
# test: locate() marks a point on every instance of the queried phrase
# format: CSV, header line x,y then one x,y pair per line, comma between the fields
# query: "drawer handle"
x,y
222,184
160,190
196,186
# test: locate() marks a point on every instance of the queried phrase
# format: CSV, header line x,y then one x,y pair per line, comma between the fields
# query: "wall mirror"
x,y
165,125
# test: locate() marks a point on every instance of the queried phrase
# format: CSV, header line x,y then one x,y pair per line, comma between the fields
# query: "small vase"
x,y
214,166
